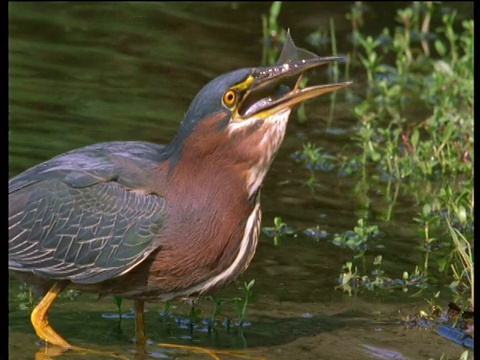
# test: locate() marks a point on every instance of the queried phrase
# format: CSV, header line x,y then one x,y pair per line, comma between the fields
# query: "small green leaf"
x,y
440,47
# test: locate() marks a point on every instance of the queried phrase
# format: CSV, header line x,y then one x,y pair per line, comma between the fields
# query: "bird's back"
x,y
87,215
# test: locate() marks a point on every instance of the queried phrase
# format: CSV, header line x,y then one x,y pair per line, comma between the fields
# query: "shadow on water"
x,y
86,73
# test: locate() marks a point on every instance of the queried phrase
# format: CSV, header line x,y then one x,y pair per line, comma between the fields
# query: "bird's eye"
x,y
230,98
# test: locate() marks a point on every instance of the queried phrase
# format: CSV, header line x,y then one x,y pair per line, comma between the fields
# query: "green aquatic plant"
x,y
242,303
352,281
278,231
426,152
358,240
216,312
439,145
273,34
25,298
462,267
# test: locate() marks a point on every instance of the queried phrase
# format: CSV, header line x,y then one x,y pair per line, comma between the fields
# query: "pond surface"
x,y
82,73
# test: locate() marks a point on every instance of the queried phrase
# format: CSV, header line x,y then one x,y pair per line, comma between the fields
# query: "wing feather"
x,y
68,219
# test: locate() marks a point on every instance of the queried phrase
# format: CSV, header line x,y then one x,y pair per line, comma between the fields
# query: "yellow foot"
x,y
39,318
46,332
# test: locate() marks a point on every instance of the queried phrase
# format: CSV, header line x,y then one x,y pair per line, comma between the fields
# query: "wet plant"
x,y
278,230
462,268
273,34
193,315
426,152
166,312
439,145
429,243
167,318
319,39
314,159
193,320
316,233
358,240
356,17
446,230
351,280
217,310
118,301
241,304
26,298
70,294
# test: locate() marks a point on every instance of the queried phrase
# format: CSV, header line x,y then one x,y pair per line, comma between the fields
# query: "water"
x,y
86,73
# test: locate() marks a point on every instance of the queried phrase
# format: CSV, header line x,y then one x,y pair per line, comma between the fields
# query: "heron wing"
x,y
88,215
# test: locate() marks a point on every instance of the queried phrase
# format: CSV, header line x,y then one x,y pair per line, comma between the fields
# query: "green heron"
x,y
151,222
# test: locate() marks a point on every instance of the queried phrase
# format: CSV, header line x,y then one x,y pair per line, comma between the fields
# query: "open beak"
x,y
267,93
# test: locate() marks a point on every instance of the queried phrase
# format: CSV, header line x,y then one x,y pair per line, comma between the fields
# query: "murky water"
x,y
86,73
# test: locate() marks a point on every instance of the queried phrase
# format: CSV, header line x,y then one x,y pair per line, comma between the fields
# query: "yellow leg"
x,y
39,317
140,337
